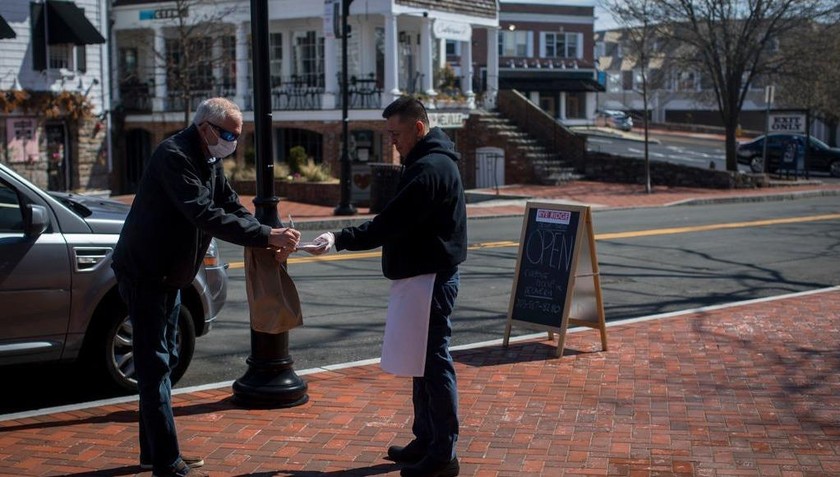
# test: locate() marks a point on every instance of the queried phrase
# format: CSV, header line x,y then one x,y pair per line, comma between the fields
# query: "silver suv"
x,y
58,294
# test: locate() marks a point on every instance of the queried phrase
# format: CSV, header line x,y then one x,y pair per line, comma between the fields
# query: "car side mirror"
x,y
37,220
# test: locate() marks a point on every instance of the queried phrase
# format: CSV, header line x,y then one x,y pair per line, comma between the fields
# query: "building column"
x,y
441,43
392,64
426,66
216,55
159,100
562,112
492,68
331,62
242,67
466,68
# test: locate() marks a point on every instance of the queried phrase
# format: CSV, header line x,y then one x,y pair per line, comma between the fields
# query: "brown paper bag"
x,y
272,296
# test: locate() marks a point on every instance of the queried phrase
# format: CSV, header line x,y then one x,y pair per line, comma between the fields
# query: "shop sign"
x,y
22,139
447,120
162,14
446,30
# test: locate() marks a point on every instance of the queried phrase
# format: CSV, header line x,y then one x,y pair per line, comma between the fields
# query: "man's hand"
x,y
324,243
284,241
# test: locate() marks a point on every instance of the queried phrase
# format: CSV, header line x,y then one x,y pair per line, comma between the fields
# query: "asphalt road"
x,y
684,150
655,265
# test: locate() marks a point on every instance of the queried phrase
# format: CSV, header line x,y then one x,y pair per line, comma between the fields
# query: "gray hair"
x,y
216,110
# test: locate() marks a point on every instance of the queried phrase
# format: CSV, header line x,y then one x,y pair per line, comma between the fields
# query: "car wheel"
x,y
113,355
834,169
756,164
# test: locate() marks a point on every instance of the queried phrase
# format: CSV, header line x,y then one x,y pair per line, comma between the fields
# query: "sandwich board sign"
x,y
557,282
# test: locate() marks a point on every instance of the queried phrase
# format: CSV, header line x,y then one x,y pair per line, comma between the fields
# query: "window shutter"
x,y
39,41
81,58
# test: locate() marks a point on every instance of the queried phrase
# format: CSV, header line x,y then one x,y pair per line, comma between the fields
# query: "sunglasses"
x,y
224,133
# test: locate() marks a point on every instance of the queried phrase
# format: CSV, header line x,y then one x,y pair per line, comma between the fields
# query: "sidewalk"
x,y
747,390
750,389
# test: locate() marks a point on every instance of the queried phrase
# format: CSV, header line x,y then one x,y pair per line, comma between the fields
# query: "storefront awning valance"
x,y
549,83
64,23
5,30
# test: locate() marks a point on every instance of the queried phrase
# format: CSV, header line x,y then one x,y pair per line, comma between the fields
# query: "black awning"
x,y
543,80
66,23
5,30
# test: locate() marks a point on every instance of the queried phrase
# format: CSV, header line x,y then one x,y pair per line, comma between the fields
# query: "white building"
x,y
53,80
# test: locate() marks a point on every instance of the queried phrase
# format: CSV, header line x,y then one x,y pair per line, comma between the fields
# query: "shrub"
x,y
297,159
312,172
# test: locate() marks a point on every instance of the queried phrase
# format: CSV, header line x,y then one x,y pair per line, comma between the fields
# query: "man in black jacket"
x,y
182,202
423,230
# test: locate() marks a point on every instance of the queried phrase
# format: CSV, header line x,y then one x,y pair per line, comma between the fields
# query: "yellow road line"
x,y
608,236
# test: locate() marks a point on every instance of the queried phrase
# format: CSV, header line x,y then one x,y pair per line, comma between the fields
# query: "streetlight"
x,y
270,380
345,207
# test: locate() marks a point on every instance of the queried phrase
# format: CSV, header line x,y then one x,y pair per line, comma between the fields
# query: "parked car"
x,y
58,294
821,157
617,119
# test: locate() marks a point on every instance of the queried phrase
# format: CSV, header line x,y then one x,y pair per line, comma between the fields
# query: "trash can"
x,y
383,184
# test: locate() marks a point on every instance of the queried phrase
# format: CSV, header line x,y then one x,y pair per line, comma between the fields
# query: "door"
x,y
489,167
58,172
34,283
138,148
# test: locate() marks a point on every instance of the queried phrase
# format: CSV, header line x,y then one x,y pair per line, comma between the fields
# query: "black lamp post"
x,y
345,207
270,380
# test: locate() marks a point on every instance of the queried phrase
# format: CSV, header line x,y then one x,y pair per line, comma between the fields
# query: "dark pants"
x,y
153,311
435,395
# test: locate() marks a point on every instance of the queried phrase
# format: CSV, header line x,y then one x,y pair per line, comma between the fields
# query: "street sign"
x,y
787,122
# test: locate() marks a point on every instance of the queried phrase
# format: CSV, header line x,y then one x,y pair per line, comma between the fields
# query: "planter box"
x,y
318,193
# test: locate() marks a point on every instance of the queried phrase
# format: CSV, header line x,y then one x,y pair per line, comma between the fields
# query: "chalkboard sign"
x,y
553,240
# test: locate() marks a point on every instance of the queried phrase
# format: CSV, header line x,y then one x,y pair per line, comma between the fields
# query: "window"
x,y
687,81
575,105
515,43
11,214
228,61
453,48
308,57
560,45
627,80
275,58
127,64
61,56
195,72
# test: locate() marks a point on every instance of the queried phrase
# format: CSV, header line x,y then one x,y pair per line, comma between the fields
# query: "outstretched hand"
x,y
322,244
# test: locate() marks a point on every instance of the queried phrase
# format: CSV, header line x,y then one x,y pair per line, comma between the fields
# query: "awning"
x,y
67,23
546,83
5,30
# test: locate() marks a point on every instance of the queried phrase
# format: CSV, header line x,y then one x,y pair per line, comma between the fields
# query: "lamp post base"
x,y
344,209
270,381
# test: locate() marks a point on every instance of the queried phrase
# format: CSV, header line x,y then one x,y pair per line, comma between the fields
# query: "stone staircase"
x,y
549,167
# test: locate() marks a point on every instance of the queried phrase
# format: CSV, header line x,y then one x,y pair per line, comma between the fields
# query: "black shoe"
x,y
180,470
192,461
410,454
429,467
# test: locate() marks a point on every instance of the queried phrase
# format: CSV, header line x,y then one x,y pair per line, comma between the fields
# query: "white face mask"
x,y
222,148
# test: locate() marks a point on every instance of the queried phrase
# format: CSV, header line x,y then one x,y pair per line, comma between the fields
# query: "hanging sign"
x,y
446,30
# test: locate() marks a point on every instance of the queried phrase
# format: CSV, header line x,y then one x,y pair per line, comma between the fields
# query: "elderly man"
x,y
182,202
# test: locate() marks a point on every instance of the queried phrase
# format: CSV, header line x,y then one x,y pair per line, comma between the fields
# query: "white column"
x,y
442,56
216,54
466,68
562,111
159,100
242,66
391,60
426,66
331,65
492,68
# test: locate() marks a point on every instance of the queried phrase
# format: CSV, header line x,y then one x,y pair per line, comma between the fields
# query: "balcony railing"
x,y
363,93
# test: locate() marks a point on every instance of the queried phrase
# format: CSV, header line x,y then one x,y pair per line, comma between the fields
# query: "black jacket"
x,y
181,203
424,227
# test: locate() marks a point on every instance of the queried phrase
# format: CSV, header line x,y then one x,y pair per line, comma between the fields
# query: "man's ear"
x,y
420,128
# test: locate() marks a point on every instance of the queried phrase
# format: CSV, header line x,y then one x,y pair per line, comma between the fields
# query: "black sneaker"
x,y
429,467
410,454
180,470
192,461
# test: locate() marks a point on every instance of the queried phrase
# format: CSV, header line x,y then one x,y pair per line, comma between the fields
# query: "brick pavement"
x,y
747,390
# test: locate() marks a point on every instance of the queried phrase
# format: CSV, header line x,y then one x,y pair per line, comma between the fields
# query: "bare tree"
x,y
638,44
732,42
812,72
198,45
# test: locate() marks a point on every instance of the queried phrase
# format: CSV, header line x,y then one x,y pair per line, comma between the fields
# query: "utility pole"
x,y
345,207
270,381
